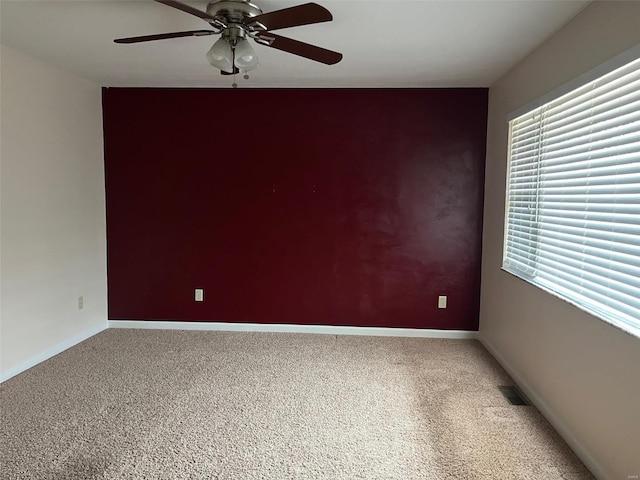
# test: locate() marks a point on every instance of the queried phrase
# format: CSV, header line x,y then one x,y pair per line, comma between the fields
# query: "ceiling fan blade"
x,y
302,49
235,72
292,17
186,8
162,36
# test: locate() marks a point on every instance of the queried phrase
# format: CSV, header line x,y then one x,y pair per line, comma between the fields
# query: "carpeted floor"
x,y
219,405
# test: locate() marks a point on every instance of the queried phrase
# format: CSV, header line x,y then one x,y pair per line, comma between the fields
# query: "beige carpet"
x,y
209,405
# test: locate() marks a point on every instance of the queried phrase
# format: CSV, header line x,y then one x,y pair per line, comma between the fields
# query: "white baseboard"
x,y
557,423
51,352
292,328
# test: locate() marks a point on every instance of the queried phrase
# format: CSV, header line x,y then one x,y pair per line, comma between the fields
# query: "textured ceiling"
x,y
390,43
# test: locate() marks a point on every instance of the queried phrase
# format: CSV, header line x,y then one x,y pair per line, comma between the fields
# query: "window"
x,y
573,197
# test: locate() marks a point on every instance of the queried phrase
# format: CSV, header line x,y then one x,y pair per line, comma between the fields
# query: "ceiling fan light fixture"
x,y
219,55
245,56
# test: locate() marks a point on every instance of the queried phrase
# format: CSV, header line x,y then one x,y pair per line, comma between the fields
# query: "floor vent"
x,y
513,395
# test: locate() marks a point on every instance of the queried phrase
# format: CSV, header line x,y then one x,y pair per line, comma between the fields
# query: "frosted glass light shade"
x,y
219,55
246,58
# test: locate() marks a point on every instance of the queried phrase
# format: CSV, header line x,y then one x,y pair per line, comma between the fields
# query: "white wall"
x,y
53,246
584,374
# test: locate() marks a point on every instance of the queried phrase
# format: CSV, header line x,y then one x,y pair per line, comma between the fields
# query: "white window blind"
x,y
573,197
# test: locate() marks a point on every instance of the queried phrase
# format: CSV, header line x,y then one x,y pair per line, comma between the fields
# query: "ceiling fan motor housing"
x,y
234,11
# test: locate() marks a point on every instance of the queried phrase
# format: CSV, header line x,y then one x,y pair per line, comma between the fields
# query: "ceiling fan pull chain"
x,y
233,63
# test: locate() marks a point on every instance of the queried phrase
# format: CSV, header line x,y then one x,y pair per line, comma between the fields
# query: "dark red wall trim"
x,y
339,207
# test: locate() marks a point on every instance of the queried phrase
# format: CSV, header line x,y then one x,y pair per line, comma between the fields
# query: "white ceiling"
x,y
390,43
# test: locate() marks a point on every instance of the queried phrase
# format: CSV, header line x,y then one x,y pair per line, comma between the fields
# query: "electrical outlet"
x,y
442,301
80,303
199,295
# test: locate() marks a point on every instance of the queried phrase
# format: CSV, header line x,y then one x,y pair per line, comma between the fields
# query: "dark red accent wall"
x,y
325,206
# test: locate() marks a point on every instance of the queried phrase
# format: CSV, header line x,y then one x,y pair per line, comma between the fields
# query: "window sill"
x,y
629,330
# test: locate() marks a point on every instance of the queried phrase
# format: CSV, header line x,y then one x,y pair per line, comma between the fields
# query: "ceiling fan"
x,y
237,21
